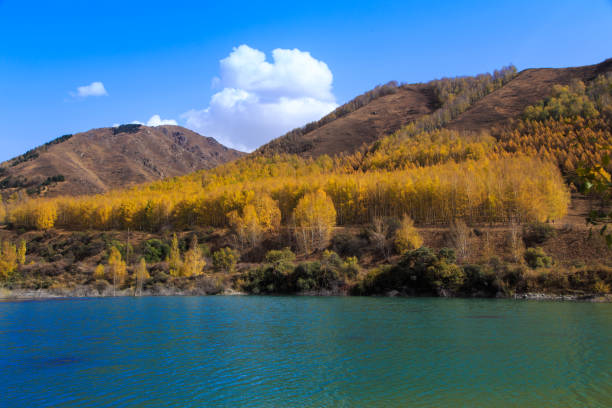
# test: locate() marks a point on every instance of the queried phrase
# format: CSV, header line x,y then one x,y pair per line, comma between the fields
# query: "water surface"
x,y
304,352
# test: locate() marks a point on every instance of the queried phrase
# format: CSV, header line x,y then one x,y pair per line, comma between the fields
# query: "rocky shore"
x,y
87,292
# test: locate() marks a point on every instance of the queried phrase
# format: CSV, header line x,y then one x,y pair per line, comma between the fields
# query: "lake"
x,y
253,351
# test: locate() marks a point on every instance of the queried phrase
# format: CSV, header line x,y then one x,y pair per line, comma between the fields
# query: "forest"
x,y
421,177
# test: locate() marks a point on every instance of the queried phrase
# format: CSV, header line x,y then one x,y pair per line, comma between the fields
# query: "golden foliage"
x,y
255,219
194,260
141,270
99,272
8,259
21,252
498,190
175,263
314,218
117,267
407,237
141,274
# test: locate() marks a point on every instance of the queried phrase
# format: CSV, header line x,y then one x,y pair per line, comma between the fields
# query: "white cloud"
x,y
155,120
93,89
261,100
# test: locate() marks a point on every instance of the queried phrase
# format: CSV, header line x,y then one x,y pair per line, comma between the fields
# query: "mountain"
x,y
388,108
361,121
528,88
102,159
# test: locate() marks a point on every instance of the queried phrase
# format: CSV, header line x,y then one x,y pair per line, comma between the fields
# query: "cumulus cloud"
x,y
260,100
154,120
93,89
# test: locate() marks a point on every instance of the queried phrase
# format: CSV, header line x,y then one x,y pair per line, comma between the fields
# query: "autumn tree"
x,y
2,211
194,262
175,263
407,237
21,252
8,259
254,220
117,267
100,272
45,216
141,274
314,218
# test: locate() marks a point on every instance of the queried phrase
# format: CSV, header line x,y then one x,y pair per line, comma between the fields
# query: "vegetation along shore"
x,y
477,195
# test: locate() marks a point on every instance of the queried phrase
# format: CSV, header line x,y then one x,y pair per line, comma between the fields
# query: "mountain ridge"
x,y
103,159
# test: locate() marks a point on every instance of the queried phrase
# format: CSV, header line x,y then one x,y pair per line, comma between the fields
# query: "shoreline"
x,y
32,295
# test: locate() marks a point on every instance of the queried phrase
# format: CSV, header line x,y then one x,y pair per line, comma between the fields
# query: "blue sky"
x,y
162,58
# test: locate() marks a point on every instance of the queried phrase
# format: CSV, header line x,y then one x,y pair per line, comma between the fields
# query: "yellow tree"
x,y
45,215
255,219
194,260
175,262
8,259
141,273
21,252
118,268
407,237
99,272
314,218
2,211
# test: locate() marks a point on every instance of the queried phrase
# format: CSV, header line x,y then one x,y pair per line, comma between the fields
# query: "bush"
x,y
154,250
537,233
479,278
601,287
129,128
264,279
348,245
422,271
225,259
281,259
280,276
536,258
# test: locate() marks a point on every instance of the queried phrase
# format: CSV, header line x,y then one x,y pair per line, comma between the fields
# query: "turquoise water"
x,y
304,352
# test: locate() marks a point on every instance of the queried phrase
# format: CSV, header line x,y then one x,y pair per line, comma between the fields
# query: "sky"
x,y
245,72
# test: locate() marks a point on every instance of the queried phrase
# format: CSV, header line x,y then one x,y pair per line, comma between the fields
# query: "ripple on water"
x,y
303,351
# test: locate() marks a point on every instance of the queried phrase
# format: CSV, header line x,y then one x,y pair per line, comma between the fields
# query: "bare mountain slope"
x,y
382,113
528,88
346,132
108,158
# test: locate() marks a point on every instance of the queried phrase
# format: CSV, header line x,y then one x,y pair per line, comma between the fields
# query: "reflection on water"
x,y
305,351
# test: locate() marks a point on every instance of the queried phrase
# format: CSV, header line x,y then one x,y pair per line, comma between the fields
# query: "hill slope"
x,y
386,109
108,158
529,87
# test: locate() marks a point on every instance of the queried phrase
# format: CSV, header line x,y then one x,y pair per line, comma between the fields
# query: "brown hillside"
x,y
528,88
108,158
345,134
347,129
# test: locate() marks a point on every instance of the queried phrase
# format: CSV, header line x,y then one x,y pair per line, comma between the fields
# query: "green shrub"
x,y
154,250
479,278
422,271
281,259
537,258
225,259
